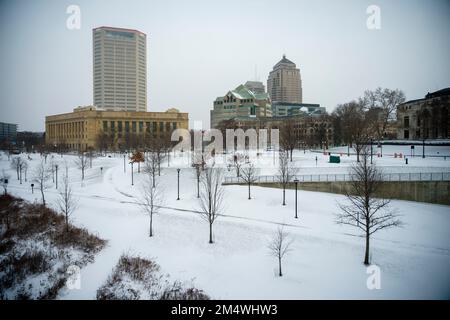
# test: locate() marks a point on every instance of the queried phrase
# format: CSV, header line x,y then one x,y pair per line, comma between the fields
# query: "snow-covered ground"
x,y
326,261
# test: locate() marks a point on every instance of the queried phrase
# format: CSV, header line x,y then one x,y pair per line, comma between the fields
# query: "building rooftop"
x,y
435,94
119,29
242,92
284,61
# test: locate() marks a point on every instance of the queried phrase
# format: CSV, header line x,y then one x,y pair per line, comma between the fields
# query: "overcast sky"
x,y
198,50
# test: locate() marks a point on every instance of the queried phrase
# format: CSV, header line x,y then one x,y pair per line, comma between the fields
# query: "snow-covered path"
x,y
326,261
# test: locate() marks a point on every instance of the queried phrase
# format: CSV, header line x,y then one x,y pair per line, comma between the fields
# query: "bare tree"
x,y
16,163
249,175
364,210
237,161
158,146
4,178
24,168
384,103
356,125
279,246
90,155
286,172
211,196
151,199
151,165
41,176
82,162
66,201
288,140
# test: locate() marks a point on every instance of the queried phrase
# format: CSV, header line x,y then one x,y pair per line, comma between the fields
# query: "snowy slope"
x,y
326,261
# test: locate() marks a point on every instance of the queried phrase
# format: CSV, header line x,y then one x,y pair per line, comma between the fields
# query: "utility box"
x,y
335,159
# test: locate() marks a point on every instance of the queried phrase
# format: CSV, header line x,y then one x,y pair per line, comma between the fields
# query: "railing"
x,y
413,176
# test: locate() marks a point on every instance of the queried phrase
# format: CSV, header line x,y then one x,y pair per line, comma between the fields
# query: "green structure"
x,y
244,101
335,159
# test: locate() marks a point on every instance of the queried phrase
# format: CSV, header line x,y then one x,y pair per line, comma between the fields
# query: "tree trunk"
x,y
67,222
279,267
357,153
291,154
151,224
284,194
366,257
210,233
249,197
43,198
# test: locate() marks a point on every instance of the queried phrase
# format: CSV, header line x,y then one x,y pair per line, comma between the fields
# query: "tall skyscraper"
x,y
120,69
284,83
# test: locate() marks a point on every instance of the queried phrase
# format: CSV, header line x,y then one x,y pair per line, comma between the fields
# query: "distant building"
x,y
284,83
8,132
284,109
426,118
240,102
120,69
309,130
80,129
29,141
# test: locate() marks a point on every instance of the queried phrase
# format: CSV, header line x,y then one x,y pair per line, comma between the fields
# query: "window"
x,y
406,134
112,125
406,122
161,126
141,126
252,110
105,126
148,128
174,125
127,126
133,126
119,125
168,126
155,125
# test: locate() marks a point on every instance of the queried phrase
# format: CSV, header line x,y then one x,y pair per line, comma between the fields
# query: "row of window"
x,y
135,125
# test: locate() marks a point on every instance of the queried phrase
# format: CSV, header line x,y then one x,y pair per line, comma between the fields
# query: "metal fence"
x,y
413,176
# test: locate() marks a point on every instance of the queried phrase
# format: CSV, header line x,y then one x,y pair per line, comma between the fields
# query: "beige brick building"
x,y
80,129
284,83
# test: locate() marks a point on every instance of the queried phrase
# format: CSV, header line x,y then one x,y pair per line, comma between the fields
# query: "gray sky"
x,y
198,50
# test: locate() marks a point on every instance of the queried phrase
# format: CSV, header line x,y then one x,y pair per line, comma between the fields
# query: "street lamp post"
x,y
124,166
296,184
56,168
132,178
178,177
32,188
381,147
423,148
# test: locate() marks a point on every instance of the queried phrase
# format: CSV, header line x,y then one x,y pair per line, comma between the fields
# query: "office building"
x,y
120,69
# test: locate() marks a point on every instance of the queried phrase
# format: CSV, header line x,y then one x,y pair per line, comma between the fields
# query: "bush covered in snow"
x,y
136,278
36,250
